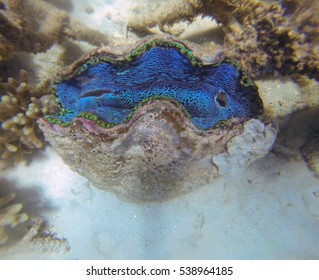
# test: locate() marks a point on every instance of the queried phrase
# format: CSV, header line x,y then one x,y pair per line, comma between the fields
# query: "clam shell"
x,y
157,153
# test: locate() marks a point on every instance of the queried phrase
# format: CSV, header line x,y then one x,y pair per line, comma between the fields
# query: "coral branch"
x,y
20,106
34,26
10,216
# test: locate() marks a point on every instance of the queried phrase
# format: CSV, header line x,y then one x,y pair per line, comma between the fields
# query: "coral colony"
x,y
20,106
149,119
109,91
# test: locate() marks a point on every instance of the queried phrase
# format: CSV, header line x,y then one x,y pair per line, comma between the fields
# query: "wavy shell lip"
x,y
181,120
108,88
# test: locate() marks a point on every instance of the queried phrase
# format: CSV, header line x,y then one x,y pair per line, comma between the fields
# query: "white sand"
x,y
267,212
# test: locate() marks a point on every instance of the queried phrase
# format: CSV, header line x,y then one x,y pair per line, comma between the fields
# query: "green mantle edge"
x,y
245,80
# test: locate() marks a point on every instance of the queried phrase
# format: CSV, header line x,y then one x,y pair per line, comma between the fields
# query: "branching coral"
x,y
266,36
9,216
34,26
20,106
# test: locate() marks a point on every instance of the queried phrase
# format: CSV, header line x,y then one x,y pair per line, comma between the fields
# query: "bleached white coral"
x,y
254,143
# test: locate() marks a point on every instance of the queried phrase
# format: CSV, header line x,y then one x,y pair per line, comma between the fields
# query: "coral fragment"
x,y
9,216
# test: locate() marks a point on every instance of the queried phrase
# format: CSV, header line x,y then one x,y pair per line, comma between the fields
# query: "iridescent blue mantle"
x,y
110,90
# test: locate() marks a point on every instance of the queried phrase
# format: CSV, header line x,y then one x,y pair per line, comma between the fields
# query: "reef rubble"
x,y
265,36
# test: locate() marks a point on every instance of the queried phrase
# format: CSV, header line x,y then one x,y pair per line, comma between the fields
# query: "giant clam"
x,y
145,124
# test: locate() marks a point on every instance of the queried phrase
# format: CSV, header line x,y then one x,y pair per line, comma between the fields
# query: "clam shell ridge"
x,y
146,124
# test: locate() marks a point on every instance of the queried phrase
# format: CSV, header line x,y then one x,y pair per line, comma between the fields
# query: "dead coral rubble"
x,y
266,36
34,26
42,236
20,107
10,216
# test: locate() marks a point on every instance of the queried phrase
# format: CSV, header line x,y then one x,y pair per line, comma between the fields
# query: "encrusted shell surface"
x,y
159,154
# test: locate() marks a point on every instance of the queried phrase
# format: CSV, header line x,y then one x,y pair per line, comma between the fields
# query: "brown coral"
x,y
310,152
20,106
266,36
9,216
34,26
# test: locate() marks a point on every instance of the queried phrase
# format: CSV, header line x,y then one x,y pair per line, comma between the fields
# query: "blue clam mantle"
x,y
109,91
